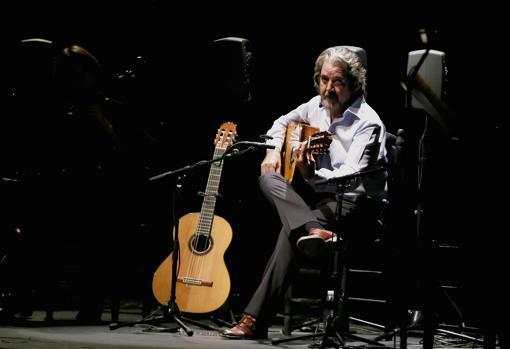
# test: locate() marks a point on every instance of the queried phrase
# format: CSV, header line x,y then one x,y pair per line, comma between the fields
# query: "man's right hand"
x,y
272,162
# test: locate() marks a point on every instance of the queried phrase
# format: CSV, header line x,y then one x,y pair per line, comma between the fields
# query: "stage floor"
x,y
65,333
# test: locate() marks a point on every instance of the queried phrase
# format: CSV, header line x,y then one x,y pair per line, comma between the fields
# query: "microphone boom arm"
x,y
229,153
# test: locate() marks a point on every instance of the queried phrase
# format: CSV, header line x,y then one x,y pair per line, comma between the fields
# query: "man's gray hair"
x,y
350,62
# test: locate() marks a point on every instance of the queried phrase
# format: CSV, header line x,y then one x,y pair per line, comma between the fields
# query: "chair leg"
x,y
49,314
342,311
287,312
115,308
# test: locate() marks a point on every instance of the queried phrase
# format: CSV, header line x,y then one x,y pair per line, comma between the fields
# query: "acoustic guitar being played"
x,y
203,281
316,142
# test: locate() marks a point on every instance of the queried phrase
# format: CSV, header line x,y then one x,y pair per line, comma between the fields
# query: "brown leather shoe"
x,y
245,328
313,245
322,233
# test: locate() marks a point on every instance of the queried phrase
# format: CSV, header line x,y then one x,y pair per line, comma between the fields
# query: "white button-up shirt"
x,y
359,139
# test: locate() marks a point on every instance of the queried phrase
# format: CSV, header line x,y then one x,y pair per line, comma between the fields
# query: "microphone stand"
x,y
170,309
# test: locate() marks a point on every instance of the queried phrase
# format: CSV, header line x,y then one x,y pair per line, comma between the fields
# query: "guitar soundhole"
x,y
200,244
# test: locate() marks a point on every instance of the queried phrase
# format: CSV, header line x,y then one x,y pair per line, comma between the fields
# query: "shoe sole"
x,y
233,337
311,246
244,337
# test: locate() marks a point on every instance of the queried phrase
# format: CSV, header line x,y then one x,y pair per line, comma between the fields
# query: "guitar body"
x,y
296,132
203,281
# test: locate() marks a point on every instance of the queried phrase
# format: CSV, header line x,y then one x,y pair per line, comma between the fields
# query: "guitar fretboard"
x,y
210,194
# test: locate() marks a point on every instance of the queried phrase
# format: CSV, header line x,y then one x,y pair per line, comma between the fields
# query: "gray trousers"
x,y
294,212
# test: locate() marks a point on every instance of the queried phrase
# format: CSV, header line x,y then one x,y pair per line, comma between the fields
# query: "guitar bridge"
x,y
192,281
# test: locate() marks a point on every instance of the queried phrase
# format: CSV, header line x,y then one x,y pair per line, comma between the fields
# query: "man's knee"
x,y
267,181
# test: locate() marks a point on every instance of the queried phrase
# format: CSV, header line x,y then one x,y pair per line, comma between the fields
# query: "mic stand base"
x,y
171,313
331,339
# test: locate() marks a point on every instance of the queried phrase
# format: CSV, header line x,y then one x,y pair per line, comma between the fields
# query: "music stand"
x,y
417,87
170,309
331,305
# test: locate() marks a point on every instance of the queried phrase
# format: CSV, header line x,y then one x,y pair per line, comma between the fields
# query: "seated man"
x,y
358,142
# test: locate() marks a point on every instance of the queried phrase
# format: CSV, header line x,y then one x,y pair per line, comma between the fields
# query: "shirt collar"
x,y
353,109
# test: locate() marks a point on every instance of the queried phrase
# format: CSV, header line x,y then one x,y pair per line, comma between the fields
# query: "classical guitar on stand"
x,y
316,142
203,281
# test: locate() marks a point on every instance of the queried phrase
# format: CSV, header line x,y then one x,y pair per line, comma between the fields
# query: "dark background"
x,y
159,66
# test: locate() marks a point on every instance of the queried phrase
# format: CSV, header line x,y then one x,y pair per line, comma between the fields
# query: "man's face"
x,y
334,87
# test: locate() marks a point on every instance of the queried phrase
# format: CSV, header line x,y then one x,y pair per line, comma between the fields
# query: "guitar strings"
x,y
219,151
195,266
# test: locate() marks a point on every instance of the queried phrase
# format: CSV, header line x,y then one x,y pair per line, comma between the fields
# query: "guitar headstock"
x,y
226,136
319,142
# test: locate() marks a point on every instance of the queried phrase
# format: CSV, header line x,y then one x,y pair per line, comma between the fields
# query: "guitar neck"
x,y
210,194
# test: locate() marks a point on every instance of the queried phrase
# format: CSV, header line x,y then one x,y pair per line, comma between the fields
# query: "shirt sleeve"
x,y
362,153
279,127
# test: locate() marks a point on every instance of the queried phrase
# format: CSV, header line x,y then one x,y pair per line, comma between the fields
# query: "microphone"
x,y
255,144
